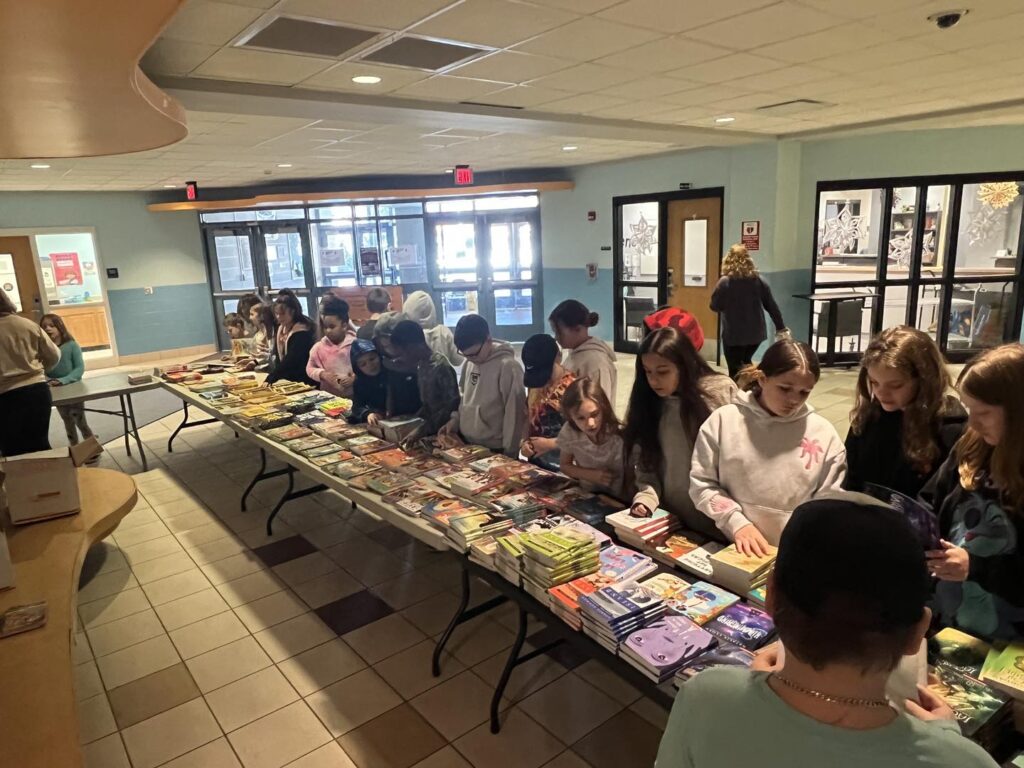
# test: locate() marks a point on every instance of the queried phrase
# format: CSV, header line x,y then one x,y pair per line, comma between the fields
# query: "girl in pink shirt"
x,y
329,361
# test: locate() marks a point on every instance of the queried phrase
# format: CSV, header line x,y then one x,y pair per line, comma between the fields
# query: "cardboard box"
x,y
44,484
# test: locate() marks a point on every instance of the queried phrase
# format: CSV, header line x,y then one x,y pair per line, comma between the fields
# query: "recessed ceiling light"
x,y
449,170
40,166
569,148
725,119
284,165
366,79
170,186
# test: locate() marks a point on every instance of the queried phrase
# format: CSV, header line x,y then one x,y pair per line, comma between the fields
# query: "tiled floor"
x,y
206,644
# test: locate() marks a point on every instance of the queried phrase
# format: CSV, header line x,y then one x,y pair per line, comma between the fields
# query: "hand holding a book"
x,y
951,563
750,541
929,706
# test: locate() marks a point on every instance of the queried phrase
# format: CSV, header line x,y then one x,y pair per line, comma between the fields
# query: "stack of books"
x,y
441,511
593,509
960,652
352,468
364,445
420,464
463,454
641,531
335,407
482,551
669,588
661,648
564,599
984,713
396,430
519,506
413,499
743,625
508,558
702,602
722,655
465,529
302,445
555,557
386,482
611,614
738,572
619,565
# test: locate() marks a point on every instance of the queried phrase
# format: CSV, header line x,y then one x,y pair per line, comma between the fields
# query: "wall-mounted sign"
x,y
112,273
67,269
463,175
369,262
750,235
191,190
9,280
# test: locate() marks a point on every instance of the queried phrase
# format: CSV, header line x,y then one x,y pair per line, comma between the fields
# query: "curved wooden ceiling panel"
x,y
70,84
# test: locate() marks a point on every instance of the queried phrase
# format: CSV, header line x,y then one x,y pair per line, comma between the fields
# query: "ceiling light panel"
x,y
309,37
497,23
389,14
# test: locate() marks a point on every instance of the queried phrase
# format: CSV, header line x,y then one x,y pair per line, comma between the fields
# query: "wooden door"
x,y
18,251
695,225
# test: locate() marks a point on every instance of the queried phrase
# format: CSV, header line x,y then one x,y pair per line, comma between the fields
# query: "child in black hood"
x,y
370,391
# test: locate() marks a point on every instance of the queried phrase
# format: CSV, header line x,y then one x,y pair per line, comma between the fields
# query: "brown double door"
x,y
693,252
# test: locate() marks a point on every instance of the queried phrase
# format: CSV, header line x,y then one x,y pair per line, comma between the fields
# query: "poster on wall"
x,y
67,269
9,280
403,256
750,235
369,262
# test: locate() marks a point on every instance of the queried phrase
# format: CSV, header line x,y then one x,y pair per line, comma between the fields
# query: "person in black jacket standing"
x,y
739,297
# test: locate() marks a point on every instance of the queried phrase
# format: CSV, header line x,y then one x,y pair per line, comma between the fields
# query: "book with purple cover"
x,y
743,625
920,516
668,643
722,655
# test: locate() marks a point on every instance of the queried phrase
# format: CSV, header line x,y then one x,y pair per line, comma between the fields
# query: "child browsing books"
x,y
244,310
370,389
420,307
546,381
403,388
294,339
378,301
676,390
756,459
845,628
439,388
590,441
493,408
904,422
262,317
330,363
589,356
978,495
68,370
234,326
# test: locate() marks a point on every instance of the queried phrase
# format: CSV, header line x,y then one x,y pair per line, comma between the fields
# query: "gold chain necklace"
x,y
845,700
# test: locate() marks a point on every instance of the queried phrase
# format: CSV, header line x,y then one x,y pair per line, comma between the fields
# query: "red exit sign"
x,y
191,190
463,175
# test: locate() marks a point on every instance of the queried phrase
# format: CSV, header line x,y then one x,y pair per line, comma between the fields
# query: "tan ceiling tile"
x,y
500,23
175,57
587,39
682,115
663,55
581,104
747,103
253,3
776,22
789,78
447,88
831,43
260,66
886,55
584,78
699,97
730,67
526,96
649,87
511,67
632,110
671,16
578,6
339,78
377,14
861,9
213,23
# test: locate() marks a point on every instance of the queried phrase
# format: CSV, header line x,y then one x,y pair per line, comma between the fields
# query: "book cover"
x,y
626,521
303,444
287,432
347,470
364,445
462,454
1007,670
321,450
743,625
672,546
392,458
487,463
669,642
594,509
758,595
959,651
920,516
702,602
722,655
387,481
441,511
698,561
417,499
619,564
335,456
974,703
730,557
668,587
420,464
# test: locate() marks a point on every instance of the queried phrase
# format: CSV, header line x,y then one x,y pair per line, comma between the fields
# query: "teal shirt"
x,y
71,366
724,718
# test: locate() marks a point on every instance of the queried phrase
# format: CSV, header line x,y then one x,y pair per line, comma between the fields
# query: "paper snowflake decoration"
x,y
644,236
998,194
900,248
843,231
983,223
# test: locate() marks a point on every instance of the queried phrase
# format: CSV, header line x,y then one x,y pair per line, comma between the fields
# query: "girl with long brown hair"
x,y
69,369
778,454
978,495
590,441
904,420
675,390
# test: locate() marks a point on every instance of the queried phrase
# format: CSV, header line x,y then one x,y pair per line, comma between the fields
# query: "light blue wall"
x,y
159,250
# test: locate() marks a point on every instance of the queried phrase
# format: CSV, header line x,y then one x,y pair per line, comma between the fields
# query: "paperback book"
x,y
388,482
920,516
743,625
620,565
495,461
958,651
594,509
738,572
669,588
463,454
665,645
698,561
640,531
364,445
722,655
392,458
321,450
981,710
347,470
310,442
1006,671
335,407
440,512
421,463
416,499
334,457
703,601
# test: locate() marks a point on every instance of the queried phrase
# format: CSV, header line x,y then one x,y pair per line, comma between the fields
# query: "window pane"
x,y
280,214
929,307
640,241
978,315
333,254
853,321
365,211
524,249
849,227
989,228
455,244
233,258
506,203
501,250
449,206
902,225
455,304
894,308
371,269
936,231
405,254
513,306
331,212
285,259
399,209
637,303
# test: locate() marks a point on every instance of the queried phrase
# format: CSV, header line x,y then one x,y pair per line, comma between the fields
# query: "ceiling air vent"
x,y
792,107
418,53
308,37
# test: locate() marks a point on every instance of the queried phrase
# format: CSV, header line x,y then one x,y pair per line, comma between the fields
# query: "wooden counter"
x,y
38,712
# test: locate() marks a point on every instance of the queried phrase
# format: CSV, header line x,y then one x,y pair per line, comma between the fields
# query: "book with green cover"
x,y
1006,671
974,703
959,651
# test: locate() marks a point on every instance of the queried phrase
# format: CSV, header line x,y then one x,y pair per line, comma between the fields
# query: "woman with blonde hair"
x,y
740,298
905,420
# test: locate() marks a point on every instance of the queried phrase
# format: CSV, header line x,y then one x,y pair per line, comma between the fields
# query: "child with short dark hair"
x,y
590,440
234,324
844,628
767,451
438,386
69,369
590,356
378,301
329,361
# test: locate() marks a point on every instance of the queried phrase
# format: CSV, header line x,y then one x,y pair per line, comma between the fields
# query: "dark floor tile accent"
x,y
148,696
392,538
563,653
284,550
353,612
397,739
625,741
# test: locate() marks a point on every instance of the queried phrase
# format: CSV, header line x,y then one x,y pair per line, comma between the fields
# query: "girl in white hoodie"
x,y
588,356
778,454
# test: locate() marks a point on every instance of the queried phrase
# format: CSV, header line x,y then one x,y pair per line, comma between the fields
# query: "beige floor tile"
x,y
625,740
106,584
374,745
113,558
250,587
170,734
455,706
384,637
208,634
327,756
87,681
81,652
408,589
570,707
151,550
257,537
305,568
129,537
150,695
190,521
121,633
234,567
520,744
280,737
161,568
653,713
329,535
568,759
190,609
204,534
270,610
95,720
602,678
527,678
217,550
355,700
107,752
444,758
216,754
250,698
240,522
138,516
175,587
409,672
367,561
181,507
433,614
294,636
137,661
227,664
327,588
112,607
320,666
478,640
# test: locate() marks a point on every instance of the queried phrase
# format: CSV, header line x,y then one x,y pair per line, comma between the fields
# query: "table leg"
x,y
506,673
289,495
259,476
184,421
462,614
135,432
830,344
124,419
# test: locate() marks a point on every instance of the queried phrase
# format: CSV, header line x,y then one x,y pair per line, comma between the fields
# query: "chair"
x,y
849,314
636,310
